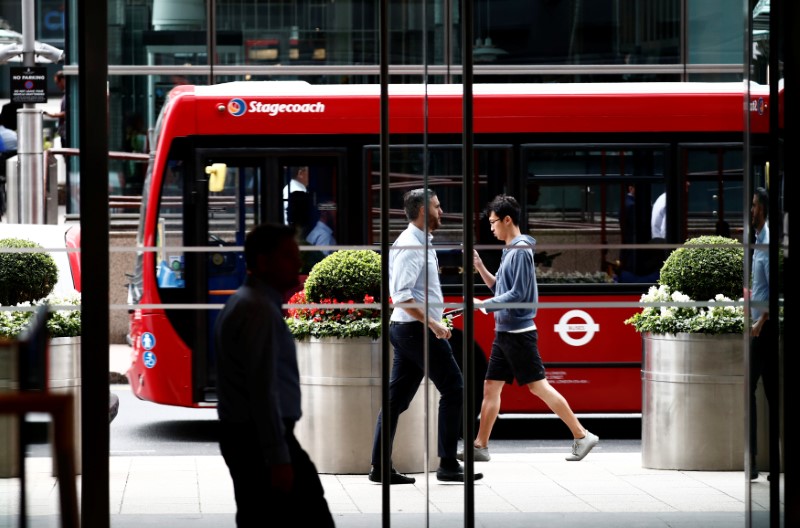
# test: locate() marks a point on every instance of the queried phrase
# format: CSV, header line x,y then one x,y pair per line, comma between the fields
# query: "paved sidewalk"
x,y
518,490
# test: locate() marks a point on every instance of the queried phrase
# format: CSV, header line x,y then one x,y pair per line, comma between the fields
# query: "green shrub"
x,y
343,277
702,273
25,276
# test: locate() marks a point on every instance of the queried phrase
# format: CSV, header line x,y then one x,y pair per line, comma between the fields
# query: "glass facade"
x,y
157,44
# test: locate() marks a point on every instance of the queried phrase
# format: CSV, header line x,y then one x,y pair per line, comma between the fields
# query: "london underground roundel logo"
x,y
236,107
587,326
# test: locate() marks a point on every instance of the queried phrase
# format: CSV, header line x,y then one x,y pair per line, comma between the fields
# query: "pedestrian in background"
x,y
275,482
8,141
763,357
322,232
61,115
298,183
413,277
514,351
8,115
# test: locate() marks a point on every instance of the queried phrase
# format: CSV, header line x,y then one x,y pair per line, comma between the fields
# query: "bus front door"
x,y
236,193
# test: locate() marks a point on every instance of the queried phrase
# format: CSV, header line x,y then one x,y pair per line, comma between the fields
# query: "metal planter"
x,y
693,402
341,386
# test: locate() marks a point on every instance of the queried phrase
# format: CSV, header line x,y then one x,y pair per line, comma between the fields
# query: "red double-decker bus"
x,y
570,153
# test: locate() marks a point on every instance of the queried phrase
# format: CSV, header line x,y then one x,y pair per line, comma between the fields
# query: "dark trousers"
x,y
764,365
407,374
257,503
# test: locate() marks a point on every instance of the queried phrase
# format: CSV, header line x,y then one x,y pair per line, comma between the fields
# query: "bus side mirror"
x,y
216,179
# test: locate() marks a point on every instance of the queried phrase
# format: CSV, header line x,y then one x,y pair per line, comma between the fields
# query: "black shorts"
x,y
515,356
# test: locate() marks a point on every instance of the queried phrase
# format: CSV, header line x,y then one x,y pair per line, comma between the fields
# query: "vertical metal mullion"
x,y
426,352
384,154
790,10
747,195
776,226
469,288
684,40
211,38
94,222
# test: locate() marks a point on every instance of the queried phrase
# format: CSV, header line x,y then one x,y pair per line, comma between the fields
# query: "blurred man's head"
x,y
327,213
271,254
759,211
302,175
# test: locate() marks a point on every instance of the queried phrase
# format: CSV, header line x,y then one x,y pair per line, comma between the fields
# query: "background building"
x,y
157,44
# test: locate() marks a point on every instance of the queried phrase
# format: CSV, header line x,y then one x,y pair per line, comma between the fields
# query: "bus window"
x,y
592,194
440,167
443,174
169,239
309,202
231,212
714,196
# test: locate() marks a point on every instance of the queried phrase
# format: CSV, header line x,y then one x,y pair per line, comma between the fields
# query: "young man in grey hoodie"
x,y
514,352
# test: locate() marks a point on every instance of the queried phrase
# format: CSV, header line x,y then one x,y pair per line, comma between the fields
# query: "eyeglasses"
x,y
492,222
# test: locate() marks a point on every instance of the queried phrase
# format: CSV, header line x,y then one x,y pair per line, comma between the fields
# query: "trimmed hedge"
x,y
25,276
345,275
702,273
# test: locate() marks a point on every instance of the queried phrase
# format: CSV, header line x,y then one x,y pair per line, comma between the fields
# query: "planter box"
x,y
341,384
693,402
63,376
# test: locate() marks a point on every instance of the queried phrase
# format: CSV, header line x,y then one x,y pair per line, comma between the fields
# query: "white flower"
x,y
680,297
713,319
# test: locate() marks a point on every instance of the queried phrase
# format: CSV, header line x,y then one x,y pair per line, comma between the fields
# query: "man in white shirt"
x,y
658,218
413,278
299,182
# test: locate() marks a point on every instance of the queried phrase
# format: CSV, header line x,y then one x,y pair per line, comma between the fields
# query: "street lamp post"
x,y
26,186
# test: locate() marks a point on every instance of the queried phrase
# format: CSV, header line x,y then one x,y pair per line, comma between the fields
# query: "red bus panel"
x,y
591,357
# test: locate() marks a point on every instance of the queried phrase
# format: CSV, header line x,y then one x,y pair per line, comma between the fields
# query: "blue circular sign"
x,y
148,341
149,359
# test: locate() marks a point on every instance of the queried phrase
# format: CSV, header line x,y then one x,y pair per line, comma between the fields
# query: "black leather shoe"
x,y
453,475
396,478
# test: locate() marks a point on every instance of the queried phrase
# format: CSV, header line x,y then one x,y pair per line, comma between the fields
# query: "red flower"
x,y
298,298
320,313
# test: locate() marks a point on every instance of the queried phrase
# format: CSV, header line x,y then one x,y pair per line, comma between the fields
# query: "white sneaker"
x,y
481,454
582,446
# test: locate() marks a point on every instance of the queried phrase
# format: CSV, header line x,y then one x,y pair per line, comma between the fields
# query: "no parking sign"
x,y
28,84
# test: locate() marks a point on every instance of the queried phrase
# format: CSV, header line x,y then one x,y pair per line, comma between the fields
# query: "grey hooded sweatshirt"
x,y
515,282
